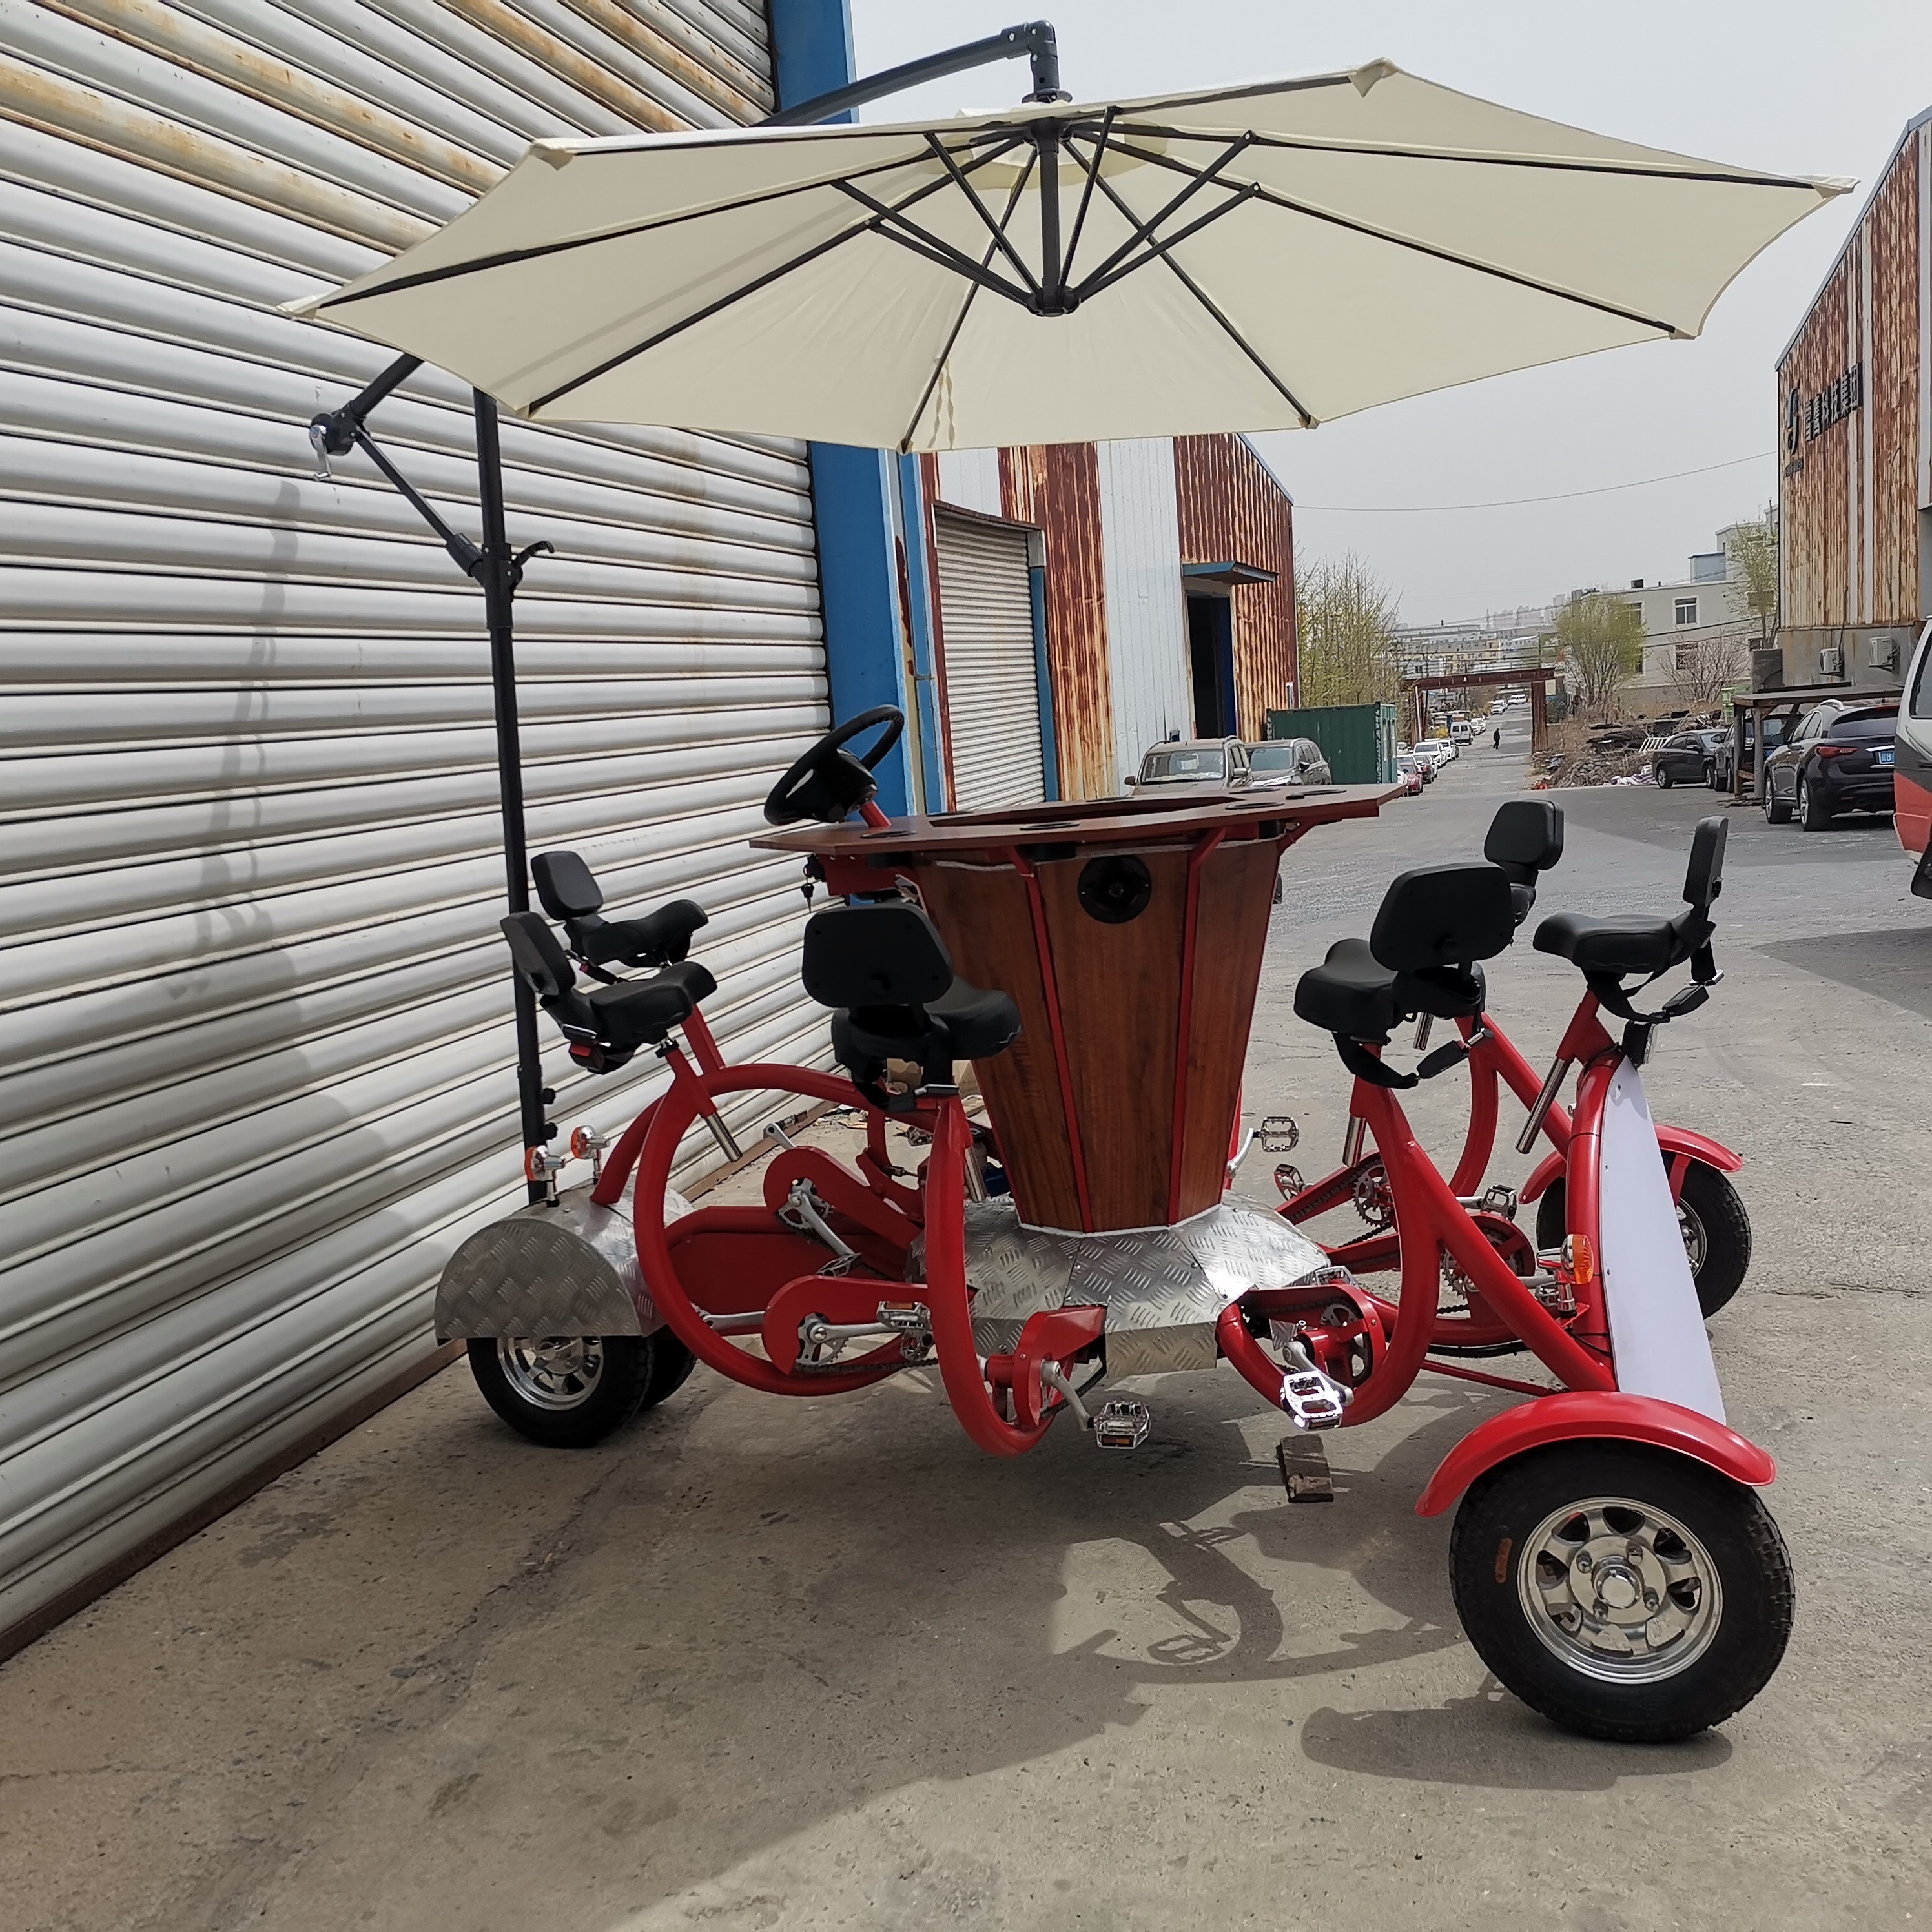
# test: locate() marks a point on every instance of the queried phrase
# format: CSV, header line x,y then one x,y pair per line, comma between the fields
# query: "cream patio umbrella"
x,y
1249,258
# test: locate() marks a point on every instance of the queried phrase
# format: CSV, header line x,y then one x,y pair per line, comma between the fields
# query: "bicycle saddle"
x,y
1606,949
571,896
884,965
606,1026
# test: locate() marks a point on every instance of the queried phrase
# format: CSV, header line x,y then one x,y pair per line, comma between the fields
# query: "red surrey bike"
x,y
1610,1559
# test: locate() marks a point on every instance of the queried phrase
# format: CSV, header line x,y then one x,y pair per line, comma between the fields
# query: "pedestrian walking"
x,y
1496,739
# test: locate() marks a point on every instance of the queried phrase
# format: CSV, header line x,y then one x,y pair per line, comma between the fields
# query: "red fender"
x,y
1675,1142
1584,1414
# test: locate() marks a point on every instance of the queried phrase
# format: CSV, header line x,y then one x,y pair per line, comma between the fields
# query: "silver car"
x,y
1288,761
1211,764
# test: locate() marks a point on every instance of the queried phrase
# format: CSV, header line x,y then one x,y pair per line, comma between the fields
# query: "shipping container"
x,y
1358,740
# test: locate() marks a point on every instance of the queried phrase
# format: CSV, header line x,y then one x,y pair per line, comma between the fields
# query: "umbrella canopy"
x,y
1260,257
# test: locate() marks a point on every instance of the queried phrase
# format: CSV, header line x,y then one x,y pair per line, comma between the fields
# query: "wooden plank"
x,y
983,914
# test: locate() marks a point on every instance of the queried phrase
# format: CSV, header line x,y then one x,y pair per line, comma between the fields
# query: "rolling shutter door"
x,y
992,682
255,1050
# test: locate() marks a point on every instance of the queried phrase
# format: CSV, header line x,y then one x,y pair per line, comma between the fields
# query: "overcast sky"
x,y
1814,89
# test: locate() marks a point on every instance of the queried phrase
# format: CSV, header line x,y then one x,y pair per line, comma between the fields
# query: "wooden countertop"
x,y
1134,821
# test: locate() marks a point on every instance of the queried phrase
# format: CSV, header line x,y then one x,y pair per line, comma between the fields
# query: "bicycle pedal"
x,y
1312,1399
1122,1424
1304,1469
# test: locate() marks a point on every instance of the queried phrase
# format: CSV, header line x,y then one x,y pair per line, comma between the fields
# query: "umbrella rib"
x,y
997,229
1156,248
966,306
509,257
1099,277
1234,334
1099,141
923,241
1400,151
1274,198
736,295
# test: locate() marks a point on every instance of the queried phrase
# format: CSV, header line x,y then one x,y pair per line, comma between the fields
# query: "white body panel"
x,y
1657,1329
1146,604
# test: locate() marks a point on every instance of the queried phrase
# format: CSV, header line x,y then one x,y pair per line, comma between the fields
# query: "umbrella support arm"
x,y
1036,39
499,570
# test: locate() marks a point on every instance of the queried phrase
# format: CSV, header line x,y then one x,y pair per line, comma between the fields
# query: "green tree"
x,y
1346,622
1602,636
1751,558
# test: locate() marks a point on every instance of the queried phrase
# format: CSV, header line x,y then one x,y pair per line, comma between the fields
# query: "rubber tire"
x,y
671,1365
1503,1506
1727,1235
622,1389
1809,815
1710,776
1664,780
1776,811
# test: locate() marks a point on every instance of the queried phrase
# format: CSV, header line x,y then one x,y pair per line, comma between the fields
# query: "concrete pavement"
x,y
754,1663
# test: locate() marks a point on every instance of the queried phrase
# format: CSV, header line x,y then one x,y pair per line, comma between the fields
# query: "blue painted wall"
x,y
858,565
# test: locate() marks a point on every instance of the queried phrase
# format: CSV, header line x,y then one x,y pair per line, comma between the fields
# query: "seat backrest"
x,y
1439,915
541,963
1704,878
565,885
1526,838
886,953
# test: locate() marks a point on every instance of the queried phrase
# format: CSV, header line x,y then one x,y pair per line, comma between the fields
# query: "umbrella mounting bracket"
x,y
498,568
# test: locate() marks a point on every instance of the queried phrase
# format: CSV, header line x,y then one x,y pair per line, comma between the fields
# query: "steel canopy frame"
x,y
493,564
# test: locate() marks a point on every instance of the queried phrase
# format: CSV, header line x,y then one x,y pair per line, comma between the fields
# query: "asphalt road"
x,y
760,1664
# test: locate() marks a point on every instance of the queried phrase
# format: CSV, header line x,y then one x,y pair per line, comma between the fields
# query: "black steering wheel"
x,y
828,783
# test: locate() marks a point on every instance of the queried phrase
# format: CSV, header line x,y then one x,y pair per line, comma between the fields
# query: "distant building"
x,y
1854,489
1074,603
1701,612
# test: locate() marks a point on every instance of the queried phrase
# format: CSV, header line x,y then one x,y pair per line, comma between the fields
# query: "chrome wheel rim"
x,y
1697,1242
552,1372
1619,1591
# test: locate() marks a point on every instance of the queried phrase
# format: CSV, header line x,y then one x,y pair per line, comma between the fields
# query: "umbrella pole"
x,y
499,570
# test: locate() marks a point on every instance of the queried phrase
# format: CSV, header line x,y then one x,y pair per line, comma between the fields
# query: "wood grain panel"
x,y
1230,937
1120,993
982,915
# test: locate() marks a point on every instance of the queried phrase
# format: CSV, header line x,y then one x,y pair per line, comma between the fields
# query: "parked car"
x,y
1438,751
1460,732
1840,759
1212,764
1912,751
1288,761
1688,758
1419,771
1775,731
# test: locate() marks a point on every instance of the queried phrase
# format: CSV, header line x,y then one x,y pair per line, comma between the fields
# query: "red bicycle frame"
x,y
1574,1345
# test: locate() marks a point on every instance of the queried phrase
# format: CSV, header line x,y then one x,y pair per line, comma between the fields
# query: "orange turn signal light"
x,y
1579,1258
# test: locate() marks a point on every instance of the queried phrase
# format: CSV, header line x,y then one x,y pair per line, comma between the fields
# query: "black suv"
x,y
1689,757
1838,759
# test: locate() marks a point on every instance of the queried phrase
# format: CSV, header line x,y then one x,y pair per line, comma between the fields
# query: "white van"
x,y
1460,732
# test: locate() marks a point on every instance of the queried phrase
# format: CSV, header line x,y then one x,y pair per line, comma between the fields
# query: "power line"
x,y
1518,503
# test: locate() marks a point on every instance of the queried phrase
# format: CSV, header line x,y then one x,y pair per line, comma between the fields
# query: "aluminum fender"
x,y
1673,1141
1582,1413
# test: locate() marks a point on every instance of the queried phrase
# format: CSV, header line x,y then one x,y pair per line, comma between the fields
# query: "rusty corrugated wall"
x,y
1233,510
1057,486
1851,409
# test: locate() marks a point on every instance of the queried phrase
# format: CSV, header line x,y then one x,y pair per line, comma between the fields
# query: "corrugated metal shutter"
x,y
992,680
253,1013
